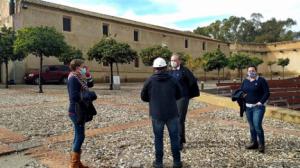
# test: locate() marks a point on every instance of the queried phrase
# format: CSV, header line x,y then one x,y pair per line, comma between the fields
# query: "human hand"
x,y
259,104
88,73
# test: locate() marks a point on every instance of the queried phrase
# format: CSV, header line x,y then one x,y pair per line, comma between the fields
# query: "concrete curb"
x,y
283,114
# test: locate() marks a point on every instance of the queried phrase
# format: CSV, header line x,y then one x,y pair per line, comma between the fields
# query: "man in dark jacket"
x,y
161,90
190,89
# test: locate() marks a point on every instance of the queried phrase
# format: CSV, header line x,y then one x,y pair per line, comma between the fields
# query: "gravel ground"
x,y
210,143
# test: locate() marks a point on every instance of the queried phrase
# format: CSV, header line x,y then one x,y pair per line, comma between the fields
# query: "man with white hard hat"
x,y
161,90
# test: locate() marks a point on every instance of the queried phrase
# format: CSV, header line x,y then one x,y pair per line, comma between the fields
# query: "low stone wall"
x,y
273,112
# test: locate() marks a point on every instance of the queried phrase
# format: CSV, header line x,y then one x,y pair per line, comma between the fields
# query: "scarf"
x,y
80,79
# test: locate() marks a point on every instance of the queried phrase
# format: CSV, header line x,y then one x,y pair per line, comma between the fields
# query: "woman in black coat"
x,y
77,82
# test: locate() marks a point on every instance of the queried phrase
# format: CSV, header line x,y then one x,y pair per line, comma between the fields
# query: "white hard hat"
x,y
159,62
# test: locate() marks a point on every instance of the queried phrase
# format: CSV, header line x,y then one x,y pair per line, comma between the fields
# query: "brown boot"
x,y
80,164
75,160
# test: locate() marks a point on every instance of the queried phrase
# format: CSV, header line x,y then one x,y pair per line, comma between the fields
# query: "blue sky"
x,y
188,14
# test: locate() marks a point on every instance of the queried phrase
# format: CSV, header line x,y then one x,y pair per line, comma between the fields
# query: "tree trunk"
x,y
218,75
117,69
271,72
282,72
223,74
204,75
40,74
6,74
111,77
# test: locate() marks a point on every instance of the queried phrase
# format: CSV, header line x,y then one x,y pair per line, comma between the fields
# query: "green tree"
x,y
215,61
41,42
193,63
273,31
240,29
255,61
7,54
283,62
184,57
69,54
148,55
110,51
270,63
205,69
239,61
190,62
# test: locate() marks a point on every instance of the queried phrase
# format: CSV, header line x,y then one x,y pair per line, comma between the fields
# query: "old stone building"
x,y
272,52
82,29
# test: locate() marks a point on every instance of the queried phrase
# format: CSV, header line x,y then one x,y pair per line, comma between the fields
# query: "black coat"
x,y
187,81
161,90
85,109
238,96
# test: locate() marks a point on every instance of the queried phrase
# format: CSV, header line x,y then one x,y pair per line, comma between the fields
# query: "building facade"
x,y
82,29
272,52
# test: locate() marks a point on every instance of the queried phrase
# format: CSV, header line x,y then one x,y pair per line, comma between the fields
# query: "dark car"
x,y
50,74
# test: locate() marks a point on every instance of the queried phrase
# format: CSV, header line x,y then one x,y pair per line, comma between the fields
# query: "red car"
x,y
50,73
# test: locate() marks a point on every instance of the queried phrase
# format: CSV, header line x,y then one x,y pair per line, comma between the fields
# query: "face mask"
x,y
82,71
173,64
252,74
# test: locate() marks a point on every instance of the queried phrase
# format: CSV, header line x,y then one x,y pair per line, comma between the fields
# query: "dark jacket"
x,y
257,90
161,90
74,90
187,81
81,101
238,96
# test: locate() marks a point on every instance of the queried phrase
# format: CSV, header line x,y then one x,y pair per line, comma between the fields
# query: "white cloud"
x,y
105,9
188,9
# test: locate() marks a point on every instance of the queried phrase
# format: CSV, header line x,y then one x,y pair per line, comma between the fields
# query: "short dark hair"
x,y
252,66
75,63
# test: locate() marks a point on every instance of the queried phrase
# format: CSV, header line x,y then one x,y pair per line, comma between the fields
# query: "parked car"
x,y
50,73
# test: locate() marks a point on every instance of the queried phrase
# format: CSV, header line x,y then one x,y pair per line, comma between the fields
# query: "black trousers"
x,y
182,105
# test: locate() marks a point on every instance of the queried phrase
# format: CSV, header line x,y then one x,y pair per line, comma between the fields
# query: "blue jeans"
x,y
78,134
158,129
182,105
255,117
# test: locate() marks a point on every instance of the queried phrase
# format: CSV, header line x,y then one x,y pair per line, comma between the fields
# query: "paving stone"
x,y
5,149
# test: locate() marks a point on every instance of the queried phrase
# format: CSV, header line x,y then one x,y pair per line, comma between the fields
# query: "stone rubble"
x,y
210,143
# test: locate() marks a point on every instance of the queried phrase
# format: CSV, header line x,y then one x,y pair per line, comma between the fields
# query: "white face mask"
x,y
173,64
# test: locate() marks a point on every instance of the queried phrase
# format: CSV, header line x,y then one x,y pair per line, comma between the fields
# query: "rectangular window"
x,y
186,43
219,46
136,35
105,30
67,24
204,46
136,63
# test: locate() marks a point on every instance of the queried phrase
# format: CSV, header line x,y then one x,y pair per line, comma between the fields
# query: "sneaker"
x,y
252,146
